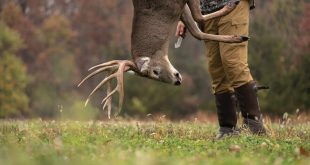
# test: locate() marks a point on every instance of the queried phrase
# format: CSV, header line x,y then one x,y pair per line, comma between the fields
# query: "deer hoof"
x,y
244,38
237,2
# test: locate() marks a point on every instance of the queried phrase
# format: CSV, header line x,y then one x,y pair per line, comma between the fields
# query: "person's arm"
x,y
181,30
194,6
192,27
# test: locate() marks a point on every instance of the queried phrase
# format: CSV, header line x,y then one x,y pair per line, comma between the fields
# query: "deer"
x,y
152,27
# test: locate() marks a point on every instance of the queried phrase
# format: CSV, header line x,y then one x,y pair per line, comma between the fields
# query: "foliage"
x,y
277,57
93,142
57,55
13,99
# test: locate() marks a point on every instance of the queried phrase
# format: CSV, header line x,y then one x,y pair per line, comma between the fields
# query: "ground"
x,y
152,142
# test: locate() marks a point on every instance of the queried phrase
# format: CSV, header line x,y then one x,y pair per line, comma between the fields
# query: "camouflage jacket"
x,y
209,6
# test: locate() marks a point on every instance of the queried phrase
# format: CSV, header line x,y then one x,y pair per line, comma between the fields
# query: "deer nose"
x,y
178,76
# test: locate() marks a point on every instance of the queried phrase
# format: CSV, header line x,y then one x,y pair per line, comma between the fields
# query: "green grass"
x,y
120,142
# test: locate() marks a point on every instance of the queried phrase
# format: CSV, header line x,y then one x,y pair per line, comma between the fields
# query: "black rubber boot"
x,y
226,112
226,132
255,126
249,106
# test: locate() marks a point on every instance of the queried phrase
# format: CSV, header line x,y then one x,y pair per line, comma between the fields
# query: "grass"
x,y
131,142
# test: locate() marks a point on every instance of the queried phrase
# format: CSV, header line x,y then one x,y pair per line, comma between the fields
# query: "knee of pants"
x,y
235,64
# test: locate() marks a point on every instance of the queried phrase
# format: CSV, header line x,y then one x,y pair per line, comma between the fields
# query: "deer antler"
x,y
116,70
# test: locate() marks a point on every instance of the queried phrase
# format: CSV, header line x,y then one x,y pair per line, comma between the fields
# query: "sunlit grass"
x,y
132,142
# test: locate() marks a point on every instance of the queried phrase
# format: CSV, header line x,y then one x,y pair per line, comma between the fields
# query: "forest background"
x,y
46,47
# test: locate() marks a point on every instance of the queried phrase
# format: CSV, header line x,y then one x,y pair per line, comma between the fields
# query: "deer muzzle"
x,y
178,78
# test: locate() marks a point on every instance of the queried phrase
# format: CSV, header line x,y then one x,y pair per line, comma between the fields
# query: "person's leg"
x,y
224,98
226,113
248,103
234,59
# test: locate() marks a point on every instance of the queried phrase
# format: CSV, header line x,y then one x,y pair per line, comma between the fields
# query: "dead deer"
x,y
153,23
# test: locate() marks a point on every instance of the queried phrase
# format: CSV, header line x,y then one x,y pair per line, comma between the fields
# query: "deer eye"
x,y
156,72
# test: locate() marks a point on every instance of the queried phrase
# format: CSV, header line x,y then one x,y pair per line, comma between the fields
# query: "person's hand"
x,y
181,29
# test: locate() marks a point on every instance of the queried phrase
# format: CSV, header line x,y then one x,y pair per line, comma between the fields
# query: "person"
x,y
228,67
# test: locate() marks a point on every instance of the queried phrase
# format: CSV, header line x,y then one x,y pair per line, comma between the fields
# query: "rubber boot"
x,y
249,106
226,112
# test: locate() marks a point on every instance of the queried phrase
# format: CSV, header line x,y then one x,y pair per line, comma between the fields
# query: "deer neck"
x,y
153,25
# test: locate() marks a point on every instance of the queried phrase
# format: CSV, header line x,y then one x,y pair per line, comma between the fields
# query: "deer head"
x,y
159,69
153,25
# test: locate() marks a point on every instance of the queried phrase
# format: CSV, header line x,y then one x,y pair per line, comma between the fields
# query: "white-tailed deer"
x,y
153,24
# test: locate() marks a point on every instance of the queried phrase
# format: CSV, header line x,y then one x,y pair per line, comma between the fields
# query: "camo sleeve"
x,y
209,6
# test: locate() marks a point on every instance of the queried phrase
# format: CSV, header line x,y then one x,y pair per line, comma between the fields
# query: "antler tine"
x,y
104,64
108,96
108,101
104,105
94,73
123,66
101,84
119,75
120,85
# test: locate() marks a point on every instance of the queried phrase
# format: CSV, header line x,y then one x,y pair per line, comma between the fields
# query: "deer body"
x,y
151,30
153,25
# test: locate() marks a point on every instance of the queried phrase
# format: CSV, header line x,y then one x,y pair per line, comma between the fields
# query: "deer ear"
x,y
143,64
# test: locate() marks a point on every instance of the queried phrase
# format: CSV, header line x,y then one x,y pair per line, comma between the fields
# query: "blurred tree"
x,y
303,39
13,99
104,28
13,16
57,72
275,58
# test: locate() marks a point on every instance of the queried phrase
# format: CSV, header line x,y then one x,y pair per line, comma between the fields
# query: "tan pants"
x,y
227,63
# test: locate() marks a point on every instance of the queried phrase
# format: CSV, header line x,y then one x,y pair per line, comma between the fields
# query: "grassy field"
x,y
132,142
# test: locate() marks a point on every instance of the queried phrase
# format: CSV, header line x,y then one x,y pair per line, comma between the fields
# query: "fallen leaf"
x,y
264,144
303,151
234,148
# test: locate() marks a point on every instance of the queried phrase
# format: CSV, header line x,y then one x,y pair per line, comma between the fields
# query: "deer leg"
x,y
192,27
194,6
